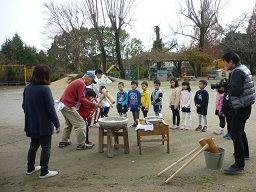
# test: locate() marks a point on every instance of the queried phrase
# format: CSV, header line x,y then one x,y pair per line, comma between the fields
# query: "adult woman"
x,y
40,119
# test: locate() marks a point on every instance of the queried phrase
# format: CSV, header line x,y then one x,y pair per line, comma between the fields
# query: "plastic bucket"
x,y
214,161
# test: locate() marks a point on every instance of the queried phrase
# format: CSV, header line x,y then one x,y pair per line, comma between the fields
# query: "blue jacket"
x,y
121,98
40,114
202,98
134,99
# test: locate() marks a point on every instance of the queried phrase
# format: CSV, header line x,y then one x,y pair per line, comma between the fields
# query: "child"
x,y
121,100
134,102
218,111
201,102
105,103
185,102
145,98
95,87
175,103
156,97
86,111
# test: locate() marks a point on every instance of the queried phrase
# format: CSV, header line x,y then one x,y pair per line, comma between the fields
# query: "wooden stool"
x,y
110,134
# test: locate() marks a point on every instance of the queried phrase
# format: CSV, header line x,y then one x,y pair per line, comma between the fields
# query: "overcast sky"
x,y
25,17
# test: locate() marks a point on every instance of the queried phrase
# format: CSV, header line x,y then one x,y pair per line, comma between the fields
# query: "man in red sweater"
x,y
73,95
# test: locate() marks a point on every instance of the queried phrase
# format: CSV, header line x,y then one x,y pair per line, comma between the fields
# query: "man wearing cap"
x,y
74,94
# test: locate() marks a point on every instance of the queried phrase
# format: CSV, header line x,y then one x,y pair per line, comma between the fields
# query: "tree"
x,y
93,9
67,49
195,58
134,47
117,12
241,41
203,14
251,33
66,19
13,50
158,44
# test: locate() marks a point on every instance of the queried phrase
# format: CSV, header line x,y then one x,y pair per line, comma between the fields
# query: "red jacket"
x,y
74,93
85,111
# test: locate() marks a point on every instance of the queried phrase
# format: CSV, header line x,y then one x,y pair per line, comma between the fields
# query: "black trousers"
x,y
45,143
145,112
135,114
238,135
222,121
229,122
175,115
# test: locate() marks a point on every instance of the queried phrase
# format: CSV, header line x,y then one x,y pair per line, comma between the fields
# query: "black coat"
x,y
40,114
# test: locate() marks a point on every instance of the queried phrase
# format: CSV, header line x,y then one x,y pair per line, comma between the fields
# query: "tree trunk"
x,y
158,65
103,56
102,49
201,40
118,54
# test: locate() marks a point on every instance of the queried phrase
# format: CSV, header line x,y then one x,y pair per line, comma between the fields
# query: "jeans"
x,y
45,143
241,147
135,114
104,112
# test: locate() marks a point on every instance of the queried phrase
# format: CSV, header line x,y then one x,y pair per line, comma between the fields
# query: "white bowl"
x,y
153,119
114,123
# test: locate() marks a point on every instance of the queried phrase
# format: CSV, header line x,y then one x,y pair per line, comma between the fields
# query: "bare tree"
x,y
69,19
203,14
118,11
95,12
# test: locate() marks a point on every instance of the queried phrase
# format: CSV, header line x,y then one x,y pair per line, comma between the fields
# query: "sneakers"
x,y
199,128
84,147
89,143
187,128
37,168
64,144
182,127
49,174
204,129
227,136
219,131
96,125
175,127
234,169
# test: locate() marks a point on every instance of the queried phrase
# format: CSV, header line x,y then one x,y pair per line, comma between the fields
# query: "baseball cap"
x,y
93,77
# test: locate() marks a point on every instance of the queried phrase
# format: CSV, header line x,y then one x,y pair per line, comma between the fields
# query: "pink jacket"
x,y
219,101
185,99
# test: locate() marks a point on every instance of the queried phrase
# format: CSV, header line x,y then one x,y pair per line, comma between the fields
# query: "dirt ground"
x,y
92,171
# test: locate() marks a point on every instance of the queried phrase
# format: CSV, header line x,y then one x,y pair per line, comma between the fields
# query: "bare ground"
x,y
92,171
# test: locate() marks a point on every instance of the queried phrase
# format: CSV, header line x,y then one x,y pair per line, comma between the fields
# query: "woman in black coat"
x,y
40,120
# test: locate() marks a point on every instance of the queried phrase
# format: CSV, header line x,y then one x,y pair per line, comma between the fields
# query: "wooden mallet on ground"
x,y
205,144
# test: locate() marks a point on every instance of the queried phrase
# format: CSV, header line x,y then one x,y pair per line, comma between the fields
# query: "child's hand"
x,y
220,113
152,102
146,109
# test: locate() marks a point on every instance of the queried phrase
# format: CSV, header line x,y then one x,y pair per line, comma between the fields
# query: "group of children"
x,y
183,99
137,101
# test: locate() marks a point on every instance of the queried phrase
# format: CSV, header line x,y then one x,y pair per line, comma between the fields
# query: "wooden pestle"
x,y
212,146
106,94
